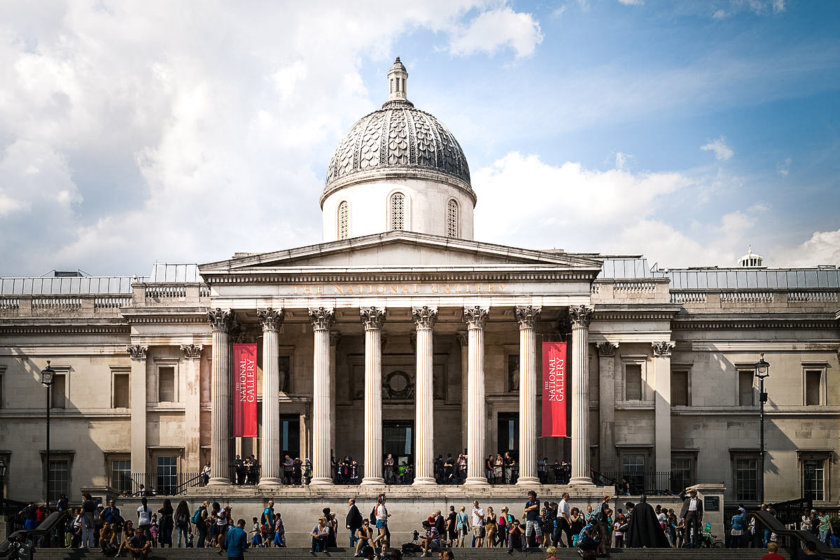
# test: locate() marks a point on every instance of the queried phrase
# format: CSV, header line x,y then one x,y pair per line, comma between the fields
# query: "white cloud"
x,y
783,168
492,30
822,248
632,2
615,211
719,147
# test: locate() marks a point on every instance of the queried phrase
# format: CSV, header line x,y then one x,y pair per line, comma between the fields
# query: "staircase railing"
x,y
795,539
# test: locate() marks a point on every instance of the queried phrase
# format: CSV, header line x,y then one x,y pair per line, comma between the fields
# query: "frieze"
x,y
467,277
392,289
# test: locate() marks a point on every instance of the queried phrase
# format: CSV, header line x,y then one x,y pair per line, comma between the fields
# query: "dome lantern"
x,y
397,76
751,260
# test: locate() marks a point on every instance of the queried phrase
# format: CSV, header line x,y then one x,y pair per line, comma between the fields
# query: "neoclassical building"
x,y
400,334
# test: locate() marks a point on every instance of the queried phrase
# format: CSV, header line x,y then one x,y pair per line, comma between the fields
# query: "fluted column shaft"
x,y
221,321
270,474
372,319
527,316
424,320
322,319
475,317
662,408
580,317
137,382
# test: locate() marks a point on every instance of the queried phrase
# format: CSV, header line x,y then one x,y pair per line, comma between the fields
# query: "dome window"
x,y
452,218
343,221
397,211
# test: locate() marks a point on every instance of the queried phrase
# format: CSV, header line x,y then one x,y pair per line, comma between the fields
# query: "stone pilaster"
x,y
271,320
424,320
606,406
475,317
580,317
372,318
526,316
322,319
221,321
191,358
463,344
137,384
662,408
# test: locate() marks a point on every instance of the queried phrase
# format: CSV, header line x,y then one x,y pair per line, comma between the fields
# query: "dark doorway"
x,y
508,430
290,435
398,440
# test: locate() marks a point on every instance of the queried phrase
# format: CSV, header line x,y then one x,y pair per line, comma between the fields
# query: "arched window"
x,y
343,221
452,218
398,211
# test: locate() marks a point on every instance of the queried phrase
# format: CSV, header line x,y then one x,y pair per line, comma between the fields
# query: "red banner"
x,y
554,395
245,390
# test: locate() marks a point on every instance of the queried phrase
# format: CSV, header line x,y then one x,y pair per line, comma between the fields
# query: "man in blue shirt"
x,y
532,519
236,540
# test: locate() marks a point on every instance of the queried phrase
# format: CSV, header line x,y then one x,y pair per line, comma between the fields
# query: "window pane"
x,y
681,473
58,390
679,388
812,387
343,221
59,480
452,219
166,384
746,478
633,382
167,474
121,476
813,476
634,472
398,211
121,390
745,388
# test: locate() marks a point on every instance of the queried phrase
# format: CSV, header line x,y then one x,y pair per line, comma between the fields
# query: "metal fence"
x,y
638,483
158,484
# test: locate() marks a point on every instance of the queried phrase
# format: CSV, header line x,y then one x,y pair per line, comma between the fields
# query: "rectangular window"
x,y
813,387
121,475
633,467
682,473
59,479
813,479
746,478
745,388
679,388
166,384
120,396
167,474
513,373
285,374
633,382
58,391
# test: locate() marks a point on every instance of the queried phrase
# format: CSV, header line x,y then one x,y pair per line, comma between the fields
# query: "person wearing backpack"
x,y
182,521
199,520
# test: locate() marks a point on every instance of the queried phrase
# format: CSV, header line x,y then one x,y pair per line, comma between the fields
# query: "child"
x,y
153,529
617,532
279,531
256,534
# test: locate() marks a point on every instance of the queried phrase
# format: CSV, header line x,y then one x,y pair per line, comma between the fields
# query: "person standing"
x,y
88,511
111,514
462,524
737,527
390,475
166,523
182,522
564,522
236,541
267,519
477,523
692,514
531,514
382,515
353,522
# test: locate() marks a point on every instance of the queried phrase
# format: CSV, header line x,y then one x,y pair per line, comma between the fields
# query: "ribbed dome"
x,y
398,140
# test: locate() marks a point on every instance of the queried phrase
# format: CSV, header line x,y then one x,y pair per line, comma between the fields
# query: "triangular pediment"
x,y
403,250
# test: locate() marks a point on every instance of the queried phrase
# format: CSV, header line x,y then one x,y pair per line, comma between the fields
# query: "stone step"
x,y
460,553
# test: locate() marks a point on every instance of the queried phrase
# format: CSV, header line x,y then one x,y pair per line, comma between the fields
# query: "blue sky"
x,y
139,132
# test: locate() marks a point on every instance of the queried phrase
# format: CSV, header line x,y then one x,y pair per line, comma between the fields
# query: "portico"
x,y
411,316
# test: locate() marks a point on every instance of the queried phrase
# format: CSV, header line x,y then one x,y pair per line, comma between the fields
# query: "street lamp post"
x,y
762,371
47,377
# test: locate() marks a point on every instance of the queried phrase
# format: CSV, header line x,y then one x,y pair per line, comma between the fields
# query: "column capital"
x,y
322,318
425,317
662,349
607,349
372,317
463,338
580,315
476,316
137,352
271,319
191,351
221,320
527,315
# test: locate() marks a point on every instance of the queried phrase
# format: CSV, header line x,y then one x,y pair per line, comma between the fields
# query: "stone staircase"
x,y
460,554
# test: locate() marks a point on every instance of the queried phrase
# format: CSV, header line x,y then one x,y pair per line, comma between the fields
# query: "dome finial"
x,y
397,76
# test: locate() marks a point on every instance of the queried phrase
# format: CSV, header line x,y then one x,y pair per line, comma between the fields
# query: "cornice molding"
x,y
294,277
64,329
698,323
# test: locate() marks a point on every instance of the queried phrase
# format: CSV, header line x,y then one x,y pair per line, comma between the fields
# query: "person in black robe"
x,y
644,530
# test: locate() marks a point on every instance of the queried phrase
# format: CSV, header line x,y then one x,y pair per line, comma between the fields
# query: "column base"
x,y
373,481
321,481
424,481
528,481
269,481
581,481
476,481
218,481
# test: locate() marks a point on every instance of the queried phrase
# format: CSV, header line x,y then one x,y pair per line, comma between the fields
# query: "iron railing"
x,y
638,483
790,512
156,484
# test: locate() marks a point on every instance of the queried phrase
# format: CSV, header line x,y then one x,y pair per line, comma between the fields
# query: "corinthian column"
x,y
138,407
322,319
191,354
372,319
424,320
271,320
527,316
662,409
221,321
580,317
475,317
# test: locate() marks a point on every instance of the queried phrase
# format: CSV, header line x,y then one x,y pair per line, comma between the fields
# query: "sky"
x,y
182,132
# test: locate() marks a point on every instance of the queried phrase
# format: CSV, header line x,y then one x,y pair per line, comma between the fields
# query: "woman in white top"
x,y
382,516
144,517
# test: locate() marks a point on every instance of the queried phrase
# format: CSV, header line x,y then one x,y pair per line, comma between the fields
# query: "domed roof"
x,y
398,140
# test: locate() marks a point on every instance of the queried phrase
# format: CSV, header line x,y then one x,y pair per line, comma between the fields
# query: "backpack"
x,y
373,516
196,515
